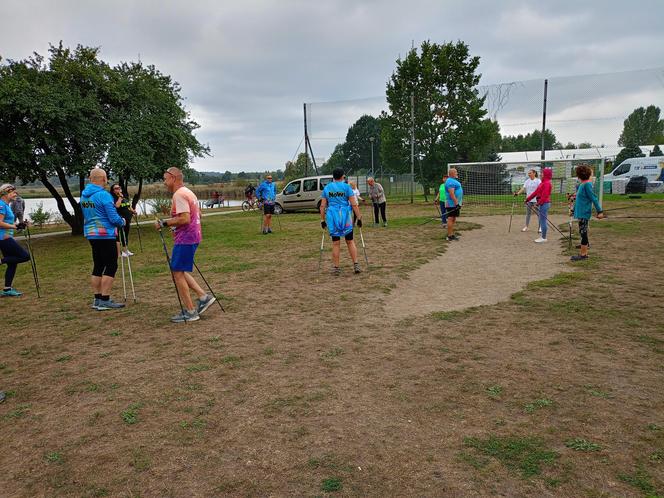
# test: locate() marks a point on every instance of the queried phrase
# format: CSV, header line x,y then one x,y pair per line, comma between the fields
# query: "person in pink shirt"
x,y
185,221
543,194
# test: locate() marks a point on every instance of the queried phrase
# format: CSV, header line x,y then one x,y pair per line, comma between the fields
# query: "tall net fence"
x,y
488,187
585,113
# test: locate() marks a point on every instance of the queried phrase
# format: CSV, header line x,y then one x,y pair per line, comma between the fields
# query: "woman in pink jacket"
x,y
543,194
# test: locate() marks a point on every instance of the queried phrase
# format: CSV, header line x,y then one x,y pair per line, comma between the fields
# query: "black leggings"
x,y
126,228
583,231
13,254
104,257
380,206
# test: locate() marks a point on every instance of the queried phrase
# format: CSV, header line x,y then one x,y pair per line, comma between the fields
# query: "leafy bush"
x,y
39,216
160,205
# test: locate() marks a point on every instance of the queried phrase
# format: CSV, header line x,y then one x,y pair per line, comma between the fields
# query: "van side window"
x,y
292,188
324,182
624,168
311,185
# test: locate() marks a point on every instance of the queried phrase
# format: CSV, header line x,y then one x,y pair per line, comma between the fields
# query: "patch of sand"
x,y
485,267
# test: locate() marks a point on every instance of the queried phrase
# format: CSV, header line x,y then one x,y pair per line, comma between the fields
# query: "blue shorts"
x,y
183,257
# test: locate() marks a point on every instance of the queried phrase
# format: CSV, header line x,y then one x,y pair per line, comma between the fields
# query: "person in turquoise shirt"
x,y
12,253
583,208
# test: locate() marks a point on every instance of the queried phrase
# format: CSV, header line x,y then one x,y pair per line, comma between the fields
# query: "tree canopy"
x,y
62,117
450,122
532,141
643,127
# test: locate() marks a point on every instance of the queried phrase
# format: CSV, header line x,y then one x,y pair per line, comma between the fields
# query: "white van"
x,y
650,167
303,193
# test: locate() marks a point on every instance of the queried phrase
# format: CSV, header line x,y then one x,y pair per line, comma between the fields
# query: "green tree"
x,y
628,152
569,146
336,160
656,151
449,114
531,141
357,147
585,145
61,118
297,168
643,127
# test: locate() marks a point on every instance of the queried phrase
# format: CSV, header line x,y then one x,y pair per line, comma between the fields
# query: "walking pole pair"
x,y
123,244
553,225
33,263
168,261
364,248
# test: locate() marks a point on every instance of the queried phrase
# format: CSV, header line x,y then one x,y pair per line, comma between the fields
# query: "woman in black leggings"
x,y
12,253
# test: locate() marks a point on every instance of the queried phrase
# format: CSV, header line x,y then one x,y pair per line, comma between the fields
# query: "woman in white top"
x,y
356,191
529,186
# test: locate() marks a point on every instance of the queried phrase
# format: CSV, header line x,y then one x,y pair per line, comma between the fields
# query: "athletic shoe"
x,y
444,225
269,230
95,303
204,304
129,253
186,316
3,396
524,229
451,238
578,258
336,271
540,240
385,223
10,293
109,305
124,254
356,268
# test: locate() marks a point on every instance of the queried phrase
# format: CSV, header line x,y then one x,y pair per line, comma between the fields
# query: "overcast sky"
x,y
246,67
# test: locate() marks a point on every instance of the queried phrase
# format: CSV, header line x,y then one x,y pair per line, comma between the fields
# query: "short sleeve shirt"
x,y
458,191
338,194
442,193
530,186
6,211
185,201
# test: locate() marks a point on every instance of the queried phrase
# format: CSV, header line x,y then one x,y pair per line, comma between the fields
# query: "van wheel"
x,y
278,209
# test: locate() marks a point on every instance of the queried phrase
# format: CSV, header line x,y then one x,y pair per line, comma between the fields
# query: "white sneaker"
x,y
540,240
129,253
124,254
524,229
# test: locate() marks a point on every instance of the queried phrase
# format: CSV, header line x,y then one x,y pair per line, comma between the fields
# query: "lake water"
x,y
143,205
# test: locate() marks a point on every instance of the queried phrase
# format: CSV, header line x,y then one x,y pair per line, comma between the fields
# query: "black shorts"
x,y
104,257
453,212
268,208
348,236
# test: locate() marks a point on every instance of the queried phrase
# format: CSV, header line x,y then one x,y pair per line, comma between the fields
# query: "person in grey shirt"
x,y
378,200
18,208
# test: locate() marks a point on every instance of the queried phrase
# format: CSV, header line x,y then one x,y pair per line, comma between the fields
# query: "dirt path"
x,y
485,267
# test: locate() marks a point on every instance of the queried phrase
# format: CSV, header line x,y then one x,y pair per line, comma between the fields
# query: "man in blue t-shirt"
x,y
335,208
454,201
267,193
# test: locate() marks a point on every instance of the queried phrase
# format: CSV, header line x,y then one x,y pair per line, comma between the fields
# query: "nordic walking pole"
x,y
509,228
364,248
209,288
556,228
168,260
124,282
279,221
320,256
138,229
123,240
33,263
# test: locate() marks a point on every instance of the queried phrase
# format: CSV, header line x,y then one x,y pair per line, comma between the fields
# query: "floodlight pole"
x,y
371,139
412,147
307,147
546,84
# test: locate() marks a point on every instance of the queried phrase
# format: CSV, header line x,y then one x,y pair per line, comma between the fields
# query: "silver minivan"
x,y
303,193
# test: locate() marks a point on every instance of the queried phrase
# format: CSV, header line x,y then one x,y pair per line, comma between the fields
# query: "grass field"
x,y
302,389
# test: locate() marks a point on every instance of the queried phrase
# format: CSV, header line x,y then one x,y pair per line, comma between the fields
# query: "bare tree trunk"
x,y
137,196
77,219
70,219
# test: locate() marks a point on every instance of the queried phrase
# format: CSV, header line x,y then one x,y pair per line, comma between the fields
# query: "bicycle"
x,y
251,204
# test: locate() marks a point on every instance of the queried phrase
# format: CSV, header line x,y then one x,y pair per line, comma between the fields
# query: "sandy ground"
x,y
499,264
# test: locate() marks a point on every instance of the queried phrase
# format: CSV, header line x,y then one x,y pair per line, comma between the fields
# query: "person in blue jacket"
x,y
335,212
267,194
101,223
583,208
